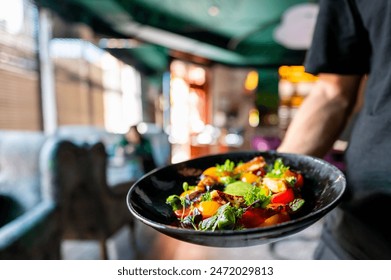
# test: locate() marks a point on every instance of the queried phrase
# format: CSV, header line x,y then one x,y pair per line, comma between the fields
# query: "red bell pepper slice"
x,y
283,197
253,217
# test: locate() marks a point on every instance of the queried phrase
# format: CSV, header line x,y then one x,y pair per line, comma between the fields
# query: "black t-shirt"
x,y
354,37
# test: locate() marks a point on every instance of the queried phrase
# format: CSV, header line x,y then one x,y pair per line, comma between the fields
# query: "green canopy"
x,y
232,32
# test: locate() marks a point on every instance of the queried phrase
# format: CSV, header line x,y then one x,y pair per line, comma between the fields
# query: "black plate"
x,y
323,189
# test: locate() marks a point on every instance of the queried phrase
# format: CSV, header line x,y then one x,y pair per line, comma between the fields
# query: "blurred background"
x,y
194,77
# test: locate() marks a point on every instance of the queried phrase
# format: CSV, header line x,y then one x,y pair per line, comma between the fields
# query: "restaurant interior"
x,y
195,77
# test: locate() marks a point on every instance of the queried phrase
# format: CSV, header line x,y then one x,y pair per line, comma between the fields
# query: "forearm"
x,y
321,118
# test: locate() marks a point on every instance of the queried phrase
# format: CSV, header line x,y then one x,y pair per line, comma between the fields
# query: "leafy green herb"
x,y
228,166
187,187
239,212
250,193
278,169
206,196
291,180
209,223
175,202
225,218
257,197
226,180
225,172
193,219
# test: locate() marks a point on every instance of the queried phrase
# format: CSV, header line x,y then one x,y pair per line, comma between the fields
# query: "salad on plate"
x,y
235,196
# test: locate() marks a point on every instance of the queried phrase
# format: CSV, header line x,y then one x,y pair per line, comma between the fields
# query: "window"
x,y
19,80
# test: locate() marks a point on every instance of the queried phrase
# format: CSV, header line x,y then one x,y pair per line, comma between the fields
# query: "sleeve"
x,y
340,42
